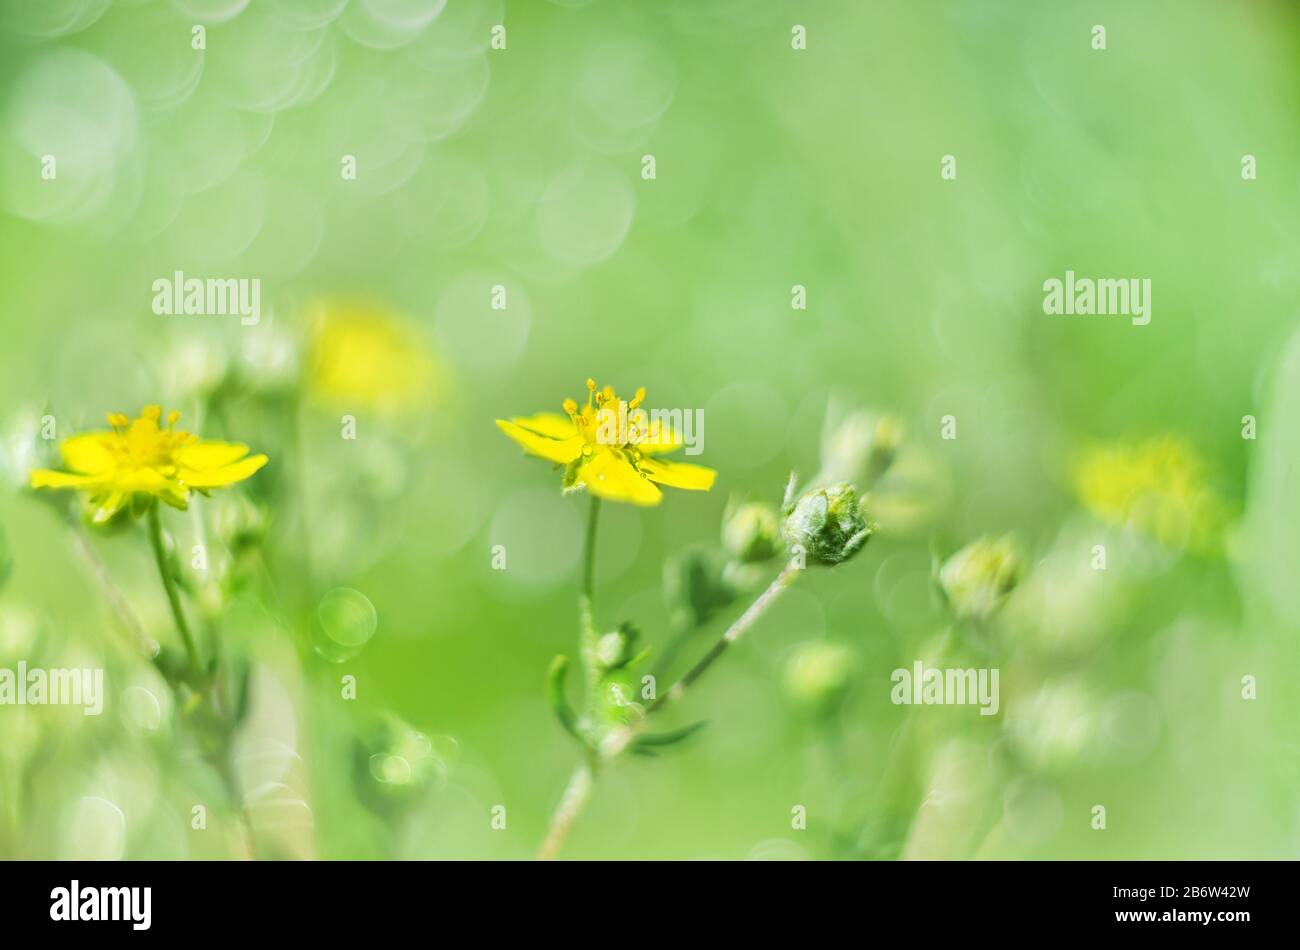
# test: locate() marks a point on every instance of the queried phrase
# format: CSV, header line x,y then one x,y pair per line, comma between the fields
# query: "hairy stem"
x,y
586,606
579,787
566,813
169,585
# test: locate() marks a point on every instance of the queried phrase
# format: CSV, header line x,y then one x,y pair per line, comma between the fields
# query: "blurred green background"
x,y
521,167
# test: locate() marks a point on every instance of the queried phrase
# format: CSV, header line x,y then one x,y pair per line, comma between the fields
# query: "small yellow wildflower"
x,y
1158,485
608,447
365,355
140,457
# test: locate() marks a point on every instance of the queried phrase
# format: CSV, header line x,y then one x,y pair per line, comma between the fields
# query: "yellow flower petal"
x,y
47,478
660,439
208,455
611,476
562,451
217,477
679,474
139,479
550,424
89,453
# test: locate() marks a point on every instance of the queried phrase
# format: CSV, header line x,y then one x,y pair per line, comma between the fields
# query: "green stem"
x,y
169,585
567,812
579,787
586,606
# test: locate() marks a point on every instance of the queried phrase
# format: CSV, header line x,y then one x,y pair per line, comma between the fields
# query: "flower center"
x,y
142,443
607,420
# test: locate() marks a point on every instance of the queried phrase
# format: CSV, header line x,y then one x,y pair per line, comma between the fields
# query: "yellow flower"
x,y
608,447
1158,485
363,355
140,457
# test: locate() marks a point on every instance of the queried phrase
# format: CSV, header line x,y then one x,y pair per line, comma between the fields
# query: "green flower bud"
x,y
827,523
395,762
977,579
617,648
861,446
609,648
619,701
886,438
239,521
817,675
751,531
694,587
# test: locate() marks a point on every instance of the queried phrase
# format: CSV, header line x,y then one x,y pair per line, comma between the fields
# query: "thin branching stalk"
x,y
169,585
587,635
732,634
579,787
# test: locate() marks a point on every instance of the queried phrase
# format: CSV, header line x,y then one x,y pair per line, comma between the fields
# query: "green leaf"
x,y
788,496
570,479
659,740
555,696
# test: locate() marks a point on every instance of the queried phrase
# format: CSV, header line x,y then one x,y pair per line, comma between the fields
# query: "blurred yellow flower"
x,y
1158,486
365,357
141,457
607,447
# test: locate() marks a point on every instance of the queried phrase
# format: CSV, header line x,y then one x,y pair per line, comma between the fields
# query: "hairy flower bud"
x,y
977,579
827,523
751,531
